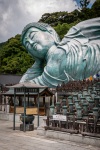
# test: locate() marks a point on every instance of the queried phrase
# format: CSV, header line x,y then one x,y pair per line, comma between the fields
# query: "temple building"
x,y
7,97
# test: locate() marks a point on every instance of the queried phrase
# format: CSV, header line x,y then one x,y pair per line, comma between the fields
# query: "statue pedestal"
x,y
28,127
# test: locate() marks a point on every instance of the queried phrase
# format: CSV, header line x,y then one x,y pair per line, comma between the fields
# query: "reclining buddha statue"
x,y
76,57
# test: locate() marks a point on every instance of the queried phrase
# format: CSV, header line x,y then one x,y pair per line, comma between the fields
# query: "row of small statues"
x,y
83,106
79,107
73,86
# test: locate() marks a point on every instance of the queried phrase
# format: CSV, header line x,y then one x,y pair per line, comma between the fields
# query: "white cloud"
x,y
15,14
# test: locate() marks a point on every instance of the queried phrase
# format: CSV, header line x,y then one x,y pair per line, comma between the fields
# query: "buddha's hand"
x,y
24,78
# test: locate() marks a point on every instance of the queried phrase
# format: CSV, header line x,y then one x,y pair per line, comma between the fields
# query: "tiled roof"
x,y
27,85
9,79
41,91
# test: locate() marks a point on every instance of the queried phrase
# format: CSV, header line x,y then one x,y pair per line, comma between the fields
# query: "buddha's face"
x,y
37,42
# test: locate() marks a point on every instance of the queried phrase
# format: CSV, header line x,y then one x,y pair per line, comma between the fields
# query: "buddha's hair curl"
x,y
42,27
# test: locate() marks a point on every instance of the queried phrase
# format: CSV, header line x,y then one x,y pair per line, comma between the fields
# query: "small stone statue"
x,y
76,57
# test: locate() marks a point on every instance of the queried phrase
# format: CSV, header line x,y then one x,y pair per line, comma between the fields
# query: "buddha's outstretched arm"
x,y
47,79
52,75
33,72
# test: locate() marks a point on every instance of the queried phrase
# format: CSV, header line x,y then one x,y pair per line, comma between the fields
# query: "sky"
x,y
16,14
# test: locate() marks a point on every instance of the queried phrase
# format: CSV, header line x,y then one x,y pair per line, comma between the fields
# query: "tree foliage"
x,y
76,16
59,17
95,10
13,57
84,3
62,29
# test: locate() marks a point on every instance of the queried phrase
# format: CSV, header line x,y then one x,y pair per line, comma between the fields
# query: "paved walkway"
x,y
19,140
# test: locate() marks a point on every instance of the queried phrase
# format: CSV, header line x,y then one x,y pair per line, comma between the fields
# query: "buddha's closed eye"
x,y
32,34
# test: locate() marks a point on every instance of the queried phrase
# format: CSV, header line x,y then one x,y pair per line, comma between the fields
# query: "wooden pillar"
x,y
14,109
43,100
35,100
38,110
24,109
20,100
28,99
51,100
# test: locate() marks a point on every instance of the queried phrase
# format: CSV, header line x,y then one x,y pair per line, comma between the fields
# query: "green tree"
x,y
84,3
95,10
62,29
14,59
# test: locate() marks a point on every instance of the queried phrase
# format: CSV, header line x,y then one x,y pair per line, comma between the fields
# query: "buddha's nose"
x,y
31,42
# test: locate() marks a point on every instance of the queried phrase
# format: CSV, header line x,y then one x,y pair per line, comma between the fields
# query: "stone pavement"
x,y
29,140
